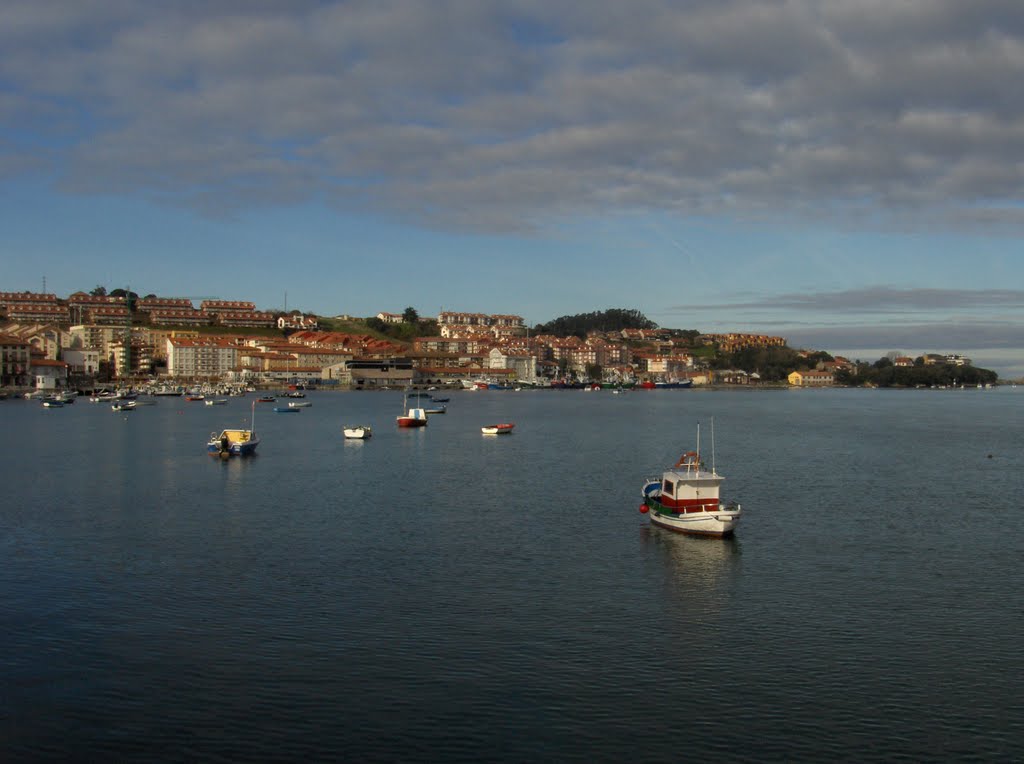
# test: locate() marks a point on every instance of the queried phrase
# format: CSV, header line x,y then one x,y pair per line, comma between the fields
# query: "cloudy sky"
x,y
846,173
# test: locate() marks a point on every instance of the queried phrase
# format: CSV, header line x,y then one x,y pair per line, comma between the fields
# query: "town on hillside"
x,y
93,339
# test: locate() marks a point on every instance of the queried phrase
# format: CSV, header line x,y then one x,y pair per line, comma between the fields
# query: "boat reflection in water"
x,y
701,568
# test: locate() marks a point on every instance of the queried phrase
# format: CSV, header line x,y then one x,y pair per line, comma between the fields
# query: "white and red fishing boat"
x,y
685,498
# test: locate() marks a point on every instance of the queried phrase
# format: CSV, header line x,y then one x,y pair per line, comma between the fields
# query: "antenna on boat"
x,y
713,470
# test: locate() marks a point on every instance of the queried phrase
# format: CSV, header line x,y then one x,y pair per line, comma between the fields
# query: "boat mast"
x,y
713,471
252,424
697,466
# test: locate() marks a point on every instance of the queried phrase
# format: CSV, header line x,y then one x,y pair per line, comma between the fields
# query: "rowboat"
x,y
497,429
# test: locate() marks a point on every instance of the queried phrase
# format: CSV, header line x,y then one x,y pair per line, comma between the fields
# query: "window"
x,y
667,488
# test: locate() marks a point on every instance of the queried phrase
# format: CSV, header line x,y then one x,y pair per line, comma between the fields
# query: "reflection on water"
x,y
431,595
702,569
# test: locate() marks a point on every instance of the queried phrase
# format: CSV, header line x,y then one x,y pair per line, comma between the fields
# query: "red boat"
x,y
415,417
497,429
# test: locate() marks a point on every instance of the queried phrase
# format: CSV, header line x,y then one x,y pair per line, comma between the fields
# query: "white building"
x,y
206,358
82,360
524,366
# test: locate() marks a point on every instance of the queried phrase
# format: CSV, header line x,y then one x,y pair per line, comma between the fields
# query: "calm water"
x,y
436,595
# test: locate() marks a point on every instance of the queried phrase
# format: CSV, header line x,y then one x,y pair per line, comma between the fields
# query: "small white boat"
x,y
497,429
299,404
216,401
357,432
123,405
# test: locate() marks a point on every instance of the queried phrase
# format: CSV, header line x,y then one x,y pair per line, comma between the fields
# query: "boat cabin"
x,y
685,492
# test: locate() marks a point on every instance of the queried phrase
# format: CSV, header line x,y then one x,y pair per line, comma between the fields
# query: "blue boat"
x,y
286,410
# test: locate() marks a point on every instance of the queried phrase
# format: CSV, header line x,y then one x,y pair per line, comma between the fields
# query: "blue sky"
x,y
845,173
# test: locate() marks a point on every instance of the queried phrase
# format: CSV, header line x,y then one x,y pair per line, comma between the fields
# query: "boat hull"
x,y
717,523
497,429
239,443
357,433
408,421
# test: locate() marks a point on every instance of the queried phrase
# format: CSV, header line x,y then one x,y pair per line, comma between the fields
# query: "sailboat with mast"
x,y
685,499
413,417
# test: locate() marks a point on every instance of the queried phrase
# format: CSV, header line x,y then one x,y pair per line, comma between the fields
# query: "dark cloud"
x,y
875,299
945,335
499,117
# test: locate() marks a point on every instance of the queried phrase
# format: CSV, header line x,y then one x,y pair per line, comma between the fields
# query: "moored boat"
x,y
685,499
357,432
285,410
497,429
235,442
413,417
123,405
266,399
53,403
216,401
299,404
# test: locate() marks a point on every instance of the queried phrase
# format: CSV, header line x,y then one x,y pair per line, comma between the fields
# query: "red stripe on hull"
x,y
689,505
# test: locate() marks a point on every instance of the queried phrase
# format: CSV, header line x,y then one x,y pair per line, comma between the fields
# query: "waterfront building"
x,y
49,374
82,362
523,366
14,361
811,378
204,358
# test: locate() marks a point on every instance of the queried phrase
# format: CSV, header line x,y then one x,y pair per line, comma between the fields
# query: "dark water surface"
x,y
438,595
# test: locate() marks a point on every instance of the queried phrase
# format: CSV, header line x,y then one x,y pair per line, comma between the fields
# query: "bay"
x,y
439,595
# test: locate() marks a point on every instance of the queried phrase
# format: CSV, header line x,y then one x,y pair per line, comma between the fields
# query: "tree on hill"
x,y
410,316
579,325
883,373
98,291
130,297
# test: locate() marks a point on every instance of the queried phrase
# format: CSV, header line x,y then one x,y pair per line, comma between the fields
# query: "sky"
x,y
845,173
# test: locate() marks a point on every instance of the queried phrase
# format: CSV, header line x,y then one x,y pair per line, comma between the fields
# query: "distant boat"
x,y
285,410
123,405
216,401
358,432
497,429
299,404
53,403
195,397
266,399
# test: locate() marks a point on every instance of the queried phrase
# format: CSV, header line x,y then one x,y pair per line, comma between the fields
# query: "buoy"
x,y
643,509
